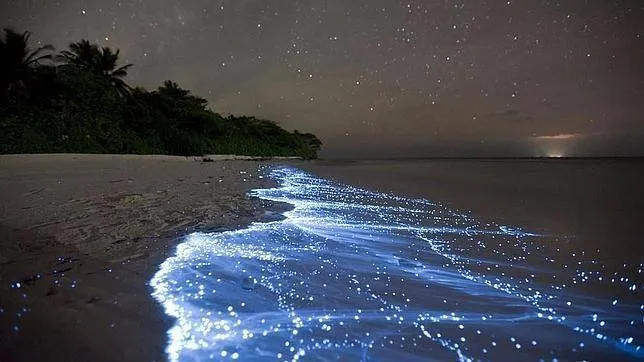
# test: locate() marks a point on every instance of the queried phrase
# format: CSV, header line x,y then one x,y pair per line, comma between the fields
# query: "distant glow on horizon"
x,y
558,145
554,148
360,275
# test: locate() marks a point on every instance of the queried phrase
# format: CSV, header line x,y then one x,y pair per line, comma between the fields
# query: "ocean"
x,y
417,261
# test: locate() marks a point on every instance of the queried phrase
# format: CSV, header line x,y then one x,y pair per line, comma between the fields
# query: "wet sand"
x,y
81,235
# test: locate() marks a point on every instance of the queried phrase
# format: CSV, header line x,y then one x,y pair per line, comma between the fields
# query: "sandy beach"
x,y
80,236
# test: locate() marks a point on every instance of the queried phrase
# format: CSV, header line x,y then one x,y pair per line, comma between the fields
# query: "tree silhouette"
x,y
76,104
171,91
18,61
101,60
310,140
82,54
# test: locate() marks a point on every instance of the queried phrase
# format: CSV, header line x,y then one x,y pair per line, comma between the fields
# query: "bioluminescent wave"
x,y
351,274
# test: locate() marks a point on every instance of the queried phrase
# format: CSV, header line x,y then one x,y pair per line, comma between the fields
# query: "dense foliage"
x,y
78,101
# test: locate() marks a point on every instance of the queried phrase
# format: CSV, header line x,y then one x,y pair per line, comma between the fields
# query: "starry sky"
x,y
386,78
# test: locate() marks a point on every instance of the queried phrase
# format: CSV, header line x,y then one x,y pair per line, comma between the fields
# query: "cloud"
x,y
560,136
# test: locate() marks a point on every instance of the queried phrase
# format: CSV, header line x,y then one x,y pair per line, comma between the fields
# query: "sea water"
x,y
355,275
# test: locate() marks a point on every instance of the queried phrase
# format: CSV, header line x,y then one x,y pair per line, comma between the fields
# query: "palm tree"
x,y
18,61
81,54
107,60
86,55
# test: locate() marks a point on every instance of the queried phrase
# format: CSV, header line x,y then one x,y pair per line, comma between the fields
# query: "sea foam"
x,y
351,274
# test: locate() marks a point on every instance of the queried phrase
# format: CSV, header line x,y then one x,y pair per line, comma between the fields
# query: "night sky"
x,y
383,78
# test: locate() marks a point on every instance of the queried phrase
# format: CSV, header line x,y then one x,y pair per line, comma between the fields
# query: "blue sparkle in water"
x,y
358,275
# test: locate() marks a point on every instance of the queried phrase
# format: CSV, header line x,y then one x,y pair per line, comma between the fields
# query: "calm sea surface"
x,y
424,260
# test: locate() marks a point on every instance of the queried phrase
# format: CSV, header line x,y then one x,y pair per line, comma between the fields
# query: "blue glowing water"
x,y
351,274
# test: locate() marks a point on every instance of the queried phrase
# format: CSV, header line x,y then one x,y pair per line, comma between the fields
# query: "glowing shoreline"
x,y
370,276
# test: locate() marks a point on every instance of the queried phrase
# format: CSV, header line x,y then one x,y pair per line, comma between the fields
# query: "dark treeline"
x,y
77,101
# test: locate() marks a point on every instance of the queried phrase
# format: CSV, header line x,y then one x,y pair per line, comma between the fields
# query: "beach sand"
x,y
82,235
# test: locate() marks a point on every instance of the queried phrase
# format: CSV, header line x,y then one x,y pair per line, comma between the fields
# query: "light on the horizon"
x,y
556,145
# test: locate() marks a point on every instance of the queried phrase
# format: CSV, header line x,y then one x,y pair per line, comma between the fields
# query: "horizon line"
x,y
477,158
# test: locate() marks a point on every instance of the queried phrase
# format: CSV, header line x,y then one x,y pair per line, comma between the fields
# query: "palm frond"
x,y
34,57
121,71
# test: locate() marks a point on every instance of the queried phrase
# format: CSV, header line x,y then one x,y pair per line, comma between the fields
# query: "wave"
x,y
351,274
